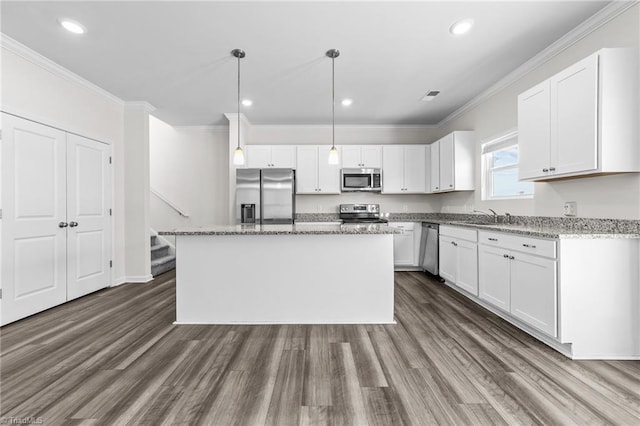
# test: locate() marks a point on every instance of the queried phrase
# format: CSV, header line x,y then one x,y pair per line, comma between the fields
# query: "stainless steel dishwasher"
x,y
429,247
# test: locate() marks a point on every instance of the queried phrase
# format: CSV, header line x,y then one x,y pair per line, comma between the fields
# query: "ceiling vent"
x,y
430,95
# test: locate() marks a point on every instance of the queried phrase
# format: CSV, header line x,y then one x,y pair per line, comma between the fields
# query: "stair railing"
x,y
169,203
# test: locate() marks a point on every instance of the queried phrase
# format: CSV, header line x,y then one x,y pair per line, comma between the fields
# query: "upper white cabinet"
x,y
265,156
404,168
582,120
452,162
368,156
314,174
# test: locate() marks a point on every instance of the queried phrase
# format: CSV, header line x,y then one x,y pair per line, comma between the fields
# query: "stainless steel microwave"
x,y
367,180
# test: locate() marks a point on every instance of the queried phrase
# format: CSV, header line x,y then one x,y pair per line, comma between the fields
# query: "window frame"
x,y
488,147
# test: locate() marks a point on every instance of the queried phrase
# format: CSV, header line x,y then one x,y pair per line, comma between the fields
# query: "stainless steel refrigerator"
x,y
265,196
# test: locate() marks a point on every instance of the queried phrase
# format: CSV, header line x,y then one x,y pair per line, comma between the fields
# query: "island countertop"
x,y
289,229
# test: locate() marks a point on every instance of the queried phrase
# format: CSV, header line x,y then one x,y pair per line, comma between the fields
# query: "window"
x,y
500,169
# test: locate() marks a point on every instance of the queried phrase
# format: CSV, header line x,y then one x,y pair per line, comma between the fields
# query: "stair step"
x,y
163,264
154,240
159,250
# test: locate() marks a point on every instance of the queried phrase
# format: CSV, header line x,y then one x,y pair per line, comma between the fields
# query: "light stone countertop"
x,y
542,231
295,229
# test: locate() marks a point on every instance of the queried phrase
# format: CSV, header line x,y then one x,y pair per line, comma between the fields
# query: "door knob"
x,y
73,224
63,224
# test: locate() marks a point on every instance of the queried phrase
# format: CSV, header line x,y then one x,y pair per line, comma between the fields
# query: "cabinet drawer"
x,y
402,226
461,233
536,246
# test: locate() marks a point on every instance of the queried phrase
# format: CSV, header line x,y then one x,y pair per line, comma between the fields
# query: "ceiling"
x,y
176,54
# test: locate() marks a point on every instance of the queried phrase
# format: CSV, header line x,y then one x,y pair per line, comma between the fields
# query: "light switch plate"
x,y
570,208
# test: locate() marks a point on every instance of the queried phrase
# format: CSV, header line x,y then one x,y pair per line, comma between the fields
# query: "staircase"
x,y
162,260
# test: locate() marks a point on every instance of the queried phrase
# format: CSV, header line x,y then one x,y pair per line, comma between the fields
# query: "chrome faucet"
x,y
493,214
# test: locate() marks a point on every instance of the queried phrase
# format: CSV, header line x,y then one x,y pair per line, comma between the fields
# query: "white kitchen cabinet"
x,y
314,174
404,169
458,251
583,120
534,291
363,156
518,275
271,156
452,162
494,276
406,245
56,240
434,170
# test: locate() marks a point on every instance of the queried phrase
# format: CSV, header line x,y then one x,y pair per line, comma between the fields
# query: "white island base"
x,y
284,279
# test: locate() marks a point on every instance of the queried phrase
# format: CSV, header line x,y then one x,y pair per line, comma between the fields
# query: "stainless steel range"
x,y
361,213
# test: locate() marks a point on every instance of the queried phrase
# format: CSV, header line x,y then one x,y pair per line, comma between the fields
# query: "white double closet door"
x,y
56,224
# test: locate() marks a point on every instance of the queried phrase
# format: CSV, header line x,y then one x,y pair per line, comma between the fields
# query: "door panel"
x,y
415,169
435,166
372,156
467,266
534,131
448,259
393,169
307,171
351,157
447,179
534,292
283,157
575,111
328,174
493,276
88,202
34,203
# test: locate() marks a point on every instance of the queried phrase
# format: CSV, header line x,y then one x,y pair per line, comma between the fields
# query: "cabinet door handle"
x,y
437,187
545,170
511,257
73,224
319,189
492,239
506,256
450,186
528,245
63,225
552,169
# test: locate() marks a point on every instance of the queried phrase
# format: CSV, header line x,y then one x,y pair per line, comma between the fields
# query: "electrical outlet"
x,y
570,208
405,208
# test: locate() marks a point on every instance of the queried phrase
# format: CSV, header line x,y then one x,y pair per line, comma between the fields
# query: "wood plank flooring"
x,y
114,357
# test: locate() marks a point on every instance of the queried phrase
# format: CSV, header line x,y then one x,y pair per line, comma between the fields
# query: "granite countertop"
x,y
295,229
534,226
543,231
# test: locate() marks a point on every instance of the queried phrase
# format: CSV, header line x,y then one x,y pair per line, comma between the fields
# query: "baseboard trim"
x,y
133,279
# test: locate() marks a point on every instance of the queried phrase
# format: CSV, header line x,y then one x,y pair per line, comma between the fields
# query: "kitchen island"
x,y
284,274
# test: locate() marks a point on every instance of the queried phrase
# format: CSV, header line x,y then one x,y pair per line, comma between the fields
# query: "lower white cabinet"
x,y
458,253
519,276
406,244
534,292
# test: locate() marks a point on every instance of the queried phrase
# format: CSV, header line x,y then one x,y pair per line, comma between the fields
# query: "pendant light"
x,y
238,155
333,153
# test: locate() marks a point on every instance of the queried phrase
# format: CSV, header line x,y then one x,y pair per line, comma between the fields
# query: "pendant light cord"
x,y
238,102
333,103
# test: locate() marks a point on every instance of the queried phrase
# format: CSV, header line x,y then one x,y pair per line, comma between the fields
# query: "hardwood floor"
x,y
114,357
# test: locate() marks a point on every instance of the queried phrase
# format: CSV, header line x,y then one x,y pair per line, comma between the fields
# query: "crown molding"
x,y
233,116
140,104
346,126
47,64
604,15
210,128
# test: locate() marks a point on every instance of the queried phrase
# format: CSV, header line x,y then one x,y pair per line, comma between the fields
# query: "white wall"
x,y
136,157
351,135
615,196
189,168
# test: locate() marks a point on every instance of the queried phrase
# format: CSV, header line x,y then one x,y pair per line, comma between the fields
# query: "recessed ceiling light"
x,y
247,102
72,26
347,102
461,27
